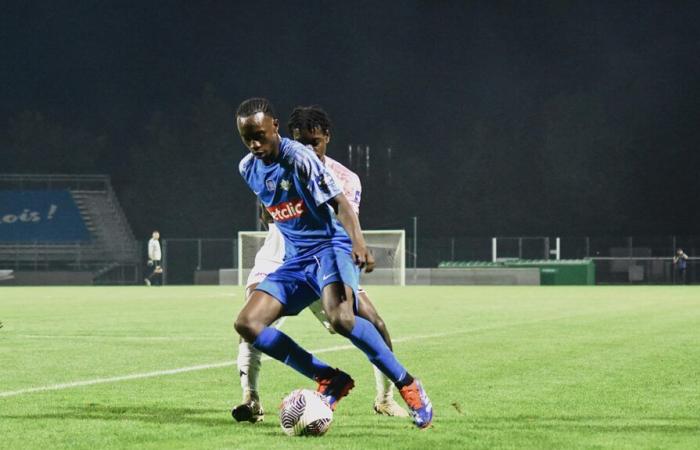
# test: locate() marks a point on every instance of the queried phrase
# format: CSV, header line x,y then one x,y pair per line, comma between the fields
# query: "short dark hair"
x,y
255,105
309,118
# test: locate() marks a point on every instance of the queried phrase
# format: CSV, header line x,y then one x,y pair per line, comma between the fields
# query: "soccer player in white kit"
x,y
310,126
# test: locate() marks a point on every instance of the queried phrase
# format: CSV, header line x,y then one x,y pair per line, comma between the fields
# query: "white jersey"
x,y
271,254
154,250
348,181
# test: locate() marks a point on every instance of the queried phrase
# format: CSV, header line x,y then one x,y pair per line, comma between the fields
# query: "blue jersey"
x,y
295,190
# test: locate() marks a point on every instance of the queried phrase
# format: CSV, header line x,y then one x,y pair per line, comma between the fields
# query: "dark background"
x,y
523,118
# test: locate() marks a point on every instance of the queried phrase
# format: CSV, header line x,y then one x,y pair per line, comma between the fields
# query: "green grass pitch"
x,y
506,367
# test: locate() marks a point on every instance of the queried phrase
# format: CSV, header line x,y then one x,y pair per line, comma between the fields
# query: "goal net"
x,y
387,246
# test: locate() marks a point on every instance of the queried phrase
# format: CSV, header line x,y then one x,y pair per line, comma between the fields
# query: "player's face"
x,y
317,139
259,133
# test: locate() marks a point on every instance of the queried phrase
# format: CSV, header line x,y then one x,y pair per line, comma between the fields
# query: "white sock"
x,y
385,388
248,362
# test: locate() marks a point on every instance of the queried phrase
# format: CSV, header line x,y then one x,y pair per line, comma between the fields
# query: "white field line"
x,y
159,373
97,337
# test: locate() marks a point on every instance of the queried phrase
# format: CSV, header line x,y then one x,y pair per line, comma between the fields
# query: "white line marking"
x,y
137,376
122,338
158,373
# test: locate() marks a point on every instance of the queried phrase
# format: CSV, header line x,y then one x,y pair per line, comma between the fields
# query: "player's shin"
x,y
248,362
384,386
366,337
278,345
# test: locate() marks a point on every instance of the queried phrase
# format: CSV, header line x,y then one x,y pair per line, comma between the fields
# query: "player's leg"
x,y
338,278
249,362
338,302
253,324
157,276
150,267
384,402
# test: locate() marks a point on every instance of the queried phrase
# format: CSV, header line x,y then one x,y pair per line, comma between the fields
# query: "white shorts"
x,y
261,270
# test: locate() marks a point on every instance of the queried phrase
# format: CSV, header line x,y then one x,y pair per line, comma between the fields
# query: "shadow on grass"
x,y
466,424
206,417
149,414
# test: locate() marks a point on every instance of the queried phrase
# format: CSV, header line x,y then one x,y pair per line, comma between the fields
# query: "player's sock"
x,y
366,337
385,388
248,367
407,380
283,348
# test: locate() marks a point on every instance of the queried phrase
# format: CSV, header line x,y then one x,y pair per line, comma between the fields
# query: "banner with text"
x,y
40,216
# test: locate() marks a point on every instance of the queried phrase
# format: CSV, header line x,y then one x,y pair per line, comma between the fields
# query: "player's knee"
x,y
342,322
379,324
246,328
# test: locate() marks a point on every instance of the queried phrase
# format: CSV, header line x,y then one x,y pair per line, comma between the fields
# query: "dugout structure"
x,y
387,246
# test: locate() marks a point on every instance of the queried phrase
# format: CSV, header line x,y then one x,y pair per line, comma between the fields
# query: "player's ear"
x,y
296,134
328,136
276,124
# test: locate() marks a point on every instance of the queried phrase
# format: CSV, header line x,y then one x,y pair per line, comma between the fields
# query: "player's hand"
x,y
363,258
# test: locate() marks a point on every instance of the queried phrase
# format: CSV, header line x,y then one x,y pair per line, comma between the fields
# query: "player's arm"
x,y
265,217
348,218
323,189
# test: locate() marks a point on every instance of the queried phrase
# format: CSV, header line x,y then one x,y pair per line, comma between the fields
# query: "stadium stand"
x,y
65,229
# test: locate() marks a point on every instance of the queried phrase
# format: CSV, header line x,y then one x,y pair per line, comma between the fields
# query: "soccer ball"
x,y
305,413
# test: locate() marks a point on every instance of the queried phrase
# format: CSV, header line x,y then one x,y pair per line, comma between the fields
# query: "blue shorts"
x,y
299,281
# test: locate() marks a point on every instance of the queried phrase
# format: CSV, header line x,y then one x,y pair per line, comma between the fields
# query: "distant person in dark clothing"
x,y
680,264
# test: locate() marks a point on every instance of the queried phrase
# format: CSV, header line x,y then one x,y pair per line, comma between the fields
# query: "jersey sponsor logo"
x,y
287,210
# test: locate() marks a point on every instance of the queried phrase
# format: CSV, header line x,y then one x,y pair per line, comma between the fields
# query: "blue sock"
x,y
366,337
278,345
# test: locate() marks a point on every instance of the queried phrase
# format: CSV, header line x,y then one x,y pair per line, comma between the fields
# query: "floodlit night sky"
x,y
538,118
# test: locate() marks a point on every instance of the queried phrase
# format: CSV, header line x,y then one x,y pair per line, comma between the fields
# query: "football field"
x,y
506,367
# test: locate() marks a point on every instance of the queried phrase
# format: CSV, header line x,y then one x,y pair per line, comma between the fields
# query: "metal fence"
x,y
618,260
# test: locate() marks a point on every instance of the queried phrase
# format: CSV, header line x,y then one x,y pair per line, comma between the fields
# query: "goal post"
x,y
387,246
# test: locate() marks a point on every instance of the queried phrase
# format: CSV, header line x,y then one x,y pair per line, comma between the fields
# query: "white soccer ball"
x,y
305,413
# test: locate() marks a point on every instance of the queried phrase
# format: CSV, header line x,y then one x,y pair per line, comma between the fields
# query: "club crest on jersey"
x,y
270,185
285,184
285,211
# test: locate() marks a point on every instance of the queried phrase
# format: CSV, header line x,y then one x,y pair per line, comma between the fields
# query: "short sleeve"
x,y
354,194
245,164
314,175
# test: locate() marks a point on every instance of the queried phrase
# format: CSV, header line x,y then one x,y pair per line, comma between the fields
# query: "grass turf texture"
x,y
506,367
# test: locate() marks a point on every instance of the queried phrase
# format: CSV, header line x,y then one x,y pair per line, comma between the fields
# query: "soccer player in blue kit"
x,y
323,255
